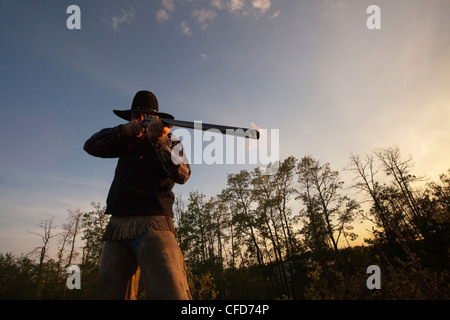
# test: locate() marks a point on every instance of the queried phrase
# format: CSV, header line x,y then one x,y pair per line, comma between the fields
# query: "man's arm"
x,y
114,142
170,153
107,143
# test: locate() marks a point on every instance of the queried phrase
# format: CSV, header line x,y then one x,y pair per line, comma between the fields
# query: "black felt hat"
x,y
145,102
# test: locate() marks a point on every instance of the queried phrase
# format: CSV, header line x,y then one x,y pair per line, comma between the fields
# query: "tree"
x,y
219,225
239,195
406,217
18,277
329,212
415,222
395,206
435,201
71,229
272,191
314,228
94,225
47,227
283,180
224,204
199,221
179,211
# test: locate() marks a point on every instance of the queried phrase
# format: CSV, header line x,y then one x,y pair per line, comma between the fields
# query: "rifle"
x,y
251,133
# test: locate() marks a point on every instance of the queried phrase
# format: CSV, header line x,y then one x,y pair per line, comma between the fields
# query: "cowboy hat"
x,y
145,102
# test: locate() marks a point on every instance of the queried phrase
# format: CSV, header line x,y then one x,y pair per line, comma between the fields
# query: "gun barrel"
x,y
250,133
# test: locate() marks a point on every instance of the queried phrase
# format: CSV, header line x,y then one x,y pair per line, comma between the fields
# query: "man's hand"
x,y
132,129
156,129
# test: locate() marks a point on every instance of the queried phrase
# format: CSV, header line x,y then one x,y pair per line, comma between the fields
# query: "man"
x,y
139,238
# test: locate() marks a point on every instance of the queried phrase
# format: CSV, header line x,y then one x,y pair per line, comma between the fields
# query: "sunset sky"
x,y
310,68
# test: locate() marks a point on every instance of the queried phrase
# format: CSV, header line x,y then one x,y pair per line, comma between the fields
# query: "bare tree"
x,y
75,228
400,170
47,226
70,230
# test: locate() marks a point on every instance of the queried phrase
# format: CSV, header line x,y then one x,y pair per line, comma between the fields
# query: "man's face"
x,y
140,116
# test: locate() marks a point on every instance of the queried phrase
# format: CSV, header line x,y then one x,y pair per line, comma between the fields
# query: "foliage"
x,y
201,286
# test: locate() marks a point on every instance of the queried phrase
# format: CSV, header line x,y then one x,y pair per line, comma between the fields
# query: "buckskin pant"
x,y
159,261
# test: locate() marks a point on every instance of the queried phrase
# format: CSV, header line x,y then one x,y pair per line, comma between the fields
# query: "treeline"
x,y
36,275
254,245
282,233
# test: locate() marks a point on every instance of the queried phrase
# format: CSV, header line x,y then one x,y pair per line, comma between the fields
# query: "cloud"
x,y
218,4
261,5
204,16
185,29
243,7
117,19
236,5
275,15
168,5
204,56
162,15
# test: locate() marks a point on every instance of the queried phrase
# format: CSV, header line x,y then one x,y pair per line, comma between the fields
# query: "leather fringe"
x,y
127,228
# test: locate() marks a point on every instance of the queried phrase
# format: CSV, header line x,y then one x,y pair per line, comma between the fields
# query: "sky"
x,y
311,69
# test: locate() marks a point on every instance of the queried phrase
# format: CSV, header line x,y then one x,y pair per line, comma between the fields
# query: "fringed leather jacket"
x,y
145,172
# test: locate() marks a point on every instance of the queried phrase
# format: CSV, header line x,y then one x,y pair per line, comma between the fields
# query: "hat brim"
x,y
126,114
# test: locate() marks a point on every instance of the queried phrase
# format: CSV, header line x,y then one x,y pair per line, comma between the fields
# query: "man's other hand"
x,y
157,130
132,129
